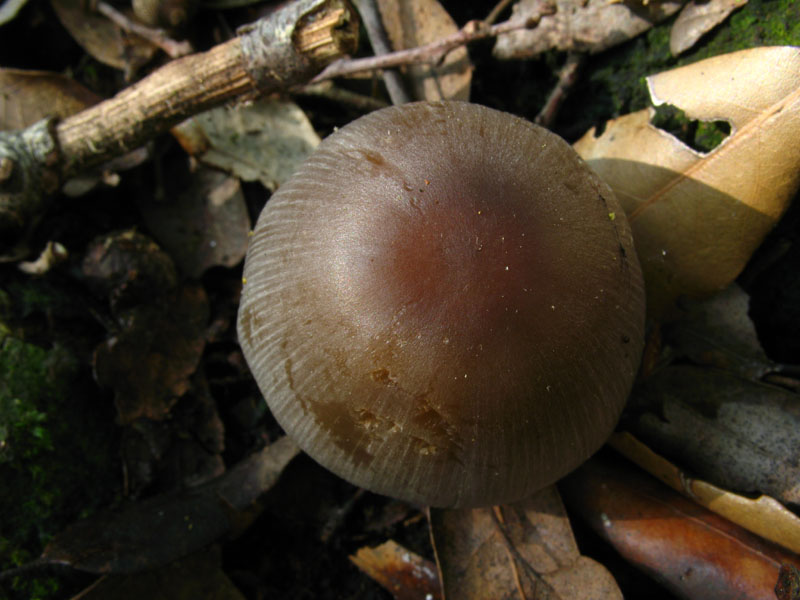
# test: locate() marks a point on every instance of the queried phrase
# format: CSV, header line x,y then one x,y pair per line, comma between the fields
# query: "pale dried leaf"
x,y
9,9
582,26
763,516
736,433
101,38
28,96
264,141
204,226
697,218
411,23
404,574
697,19
718,332
524,549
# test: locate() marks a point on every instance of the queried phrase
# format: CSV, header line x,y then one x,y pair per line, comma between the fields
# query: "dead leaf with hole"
x,y
404,574
151,533
28,96
581,26
205,225
411,23
103,39
733,432
697,218
695,553
764,516
525,549
698,18
264,141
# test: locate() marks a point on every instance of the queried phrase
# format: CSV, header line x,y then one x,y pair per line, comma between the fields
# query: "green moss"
x,y
57,453
758,23
698,135
615,80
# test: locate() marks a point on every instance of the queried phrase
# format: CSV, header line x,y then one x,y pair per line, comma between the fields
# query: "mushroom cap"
x,y
444,305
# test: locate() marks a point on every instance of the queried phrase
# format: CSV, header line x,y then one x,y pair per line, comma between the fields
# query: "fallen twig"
x,y
432,53
284,49
157,37
371,19
567,77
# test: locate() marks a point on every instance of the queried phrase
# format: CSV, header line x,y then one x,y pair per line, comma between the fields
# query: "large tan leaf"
x,y
698,217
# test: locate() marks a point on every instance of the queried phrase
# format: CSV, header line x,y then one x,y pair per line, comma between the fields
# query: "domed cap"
x,y
444,305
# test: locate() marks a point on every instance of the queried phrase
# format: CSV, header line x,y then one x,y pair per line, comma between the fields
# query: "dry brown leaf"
x,y
129,269
734,432
583,26
523,550
151,533
101,38
411,23
199,577
405,575
763,516
697,218
149,362
203,225
695,553
160,326
698,18
28,96
264,141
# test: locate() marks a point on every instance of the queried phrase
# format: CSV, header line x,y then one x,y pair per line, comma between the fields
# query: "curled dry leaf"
x,y
718,332
582,26
698,18
405,575
524,550
697,218
101,38
264,141
144,535
28,96
695,553
412,23
205,225
736,433
763,516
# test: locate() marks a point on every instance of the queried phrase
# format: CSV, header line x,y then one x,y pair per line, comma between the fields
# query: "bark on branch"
x,y
284,49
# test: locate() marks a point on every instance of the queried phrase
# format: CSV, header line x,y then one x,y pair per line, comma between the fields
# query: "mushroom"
x,y
444,305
